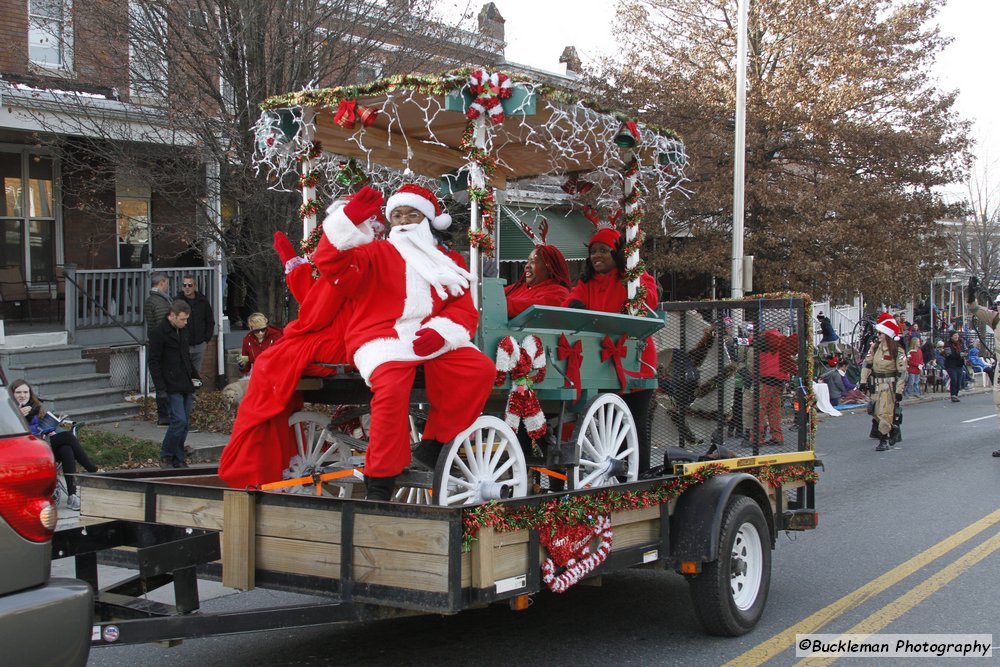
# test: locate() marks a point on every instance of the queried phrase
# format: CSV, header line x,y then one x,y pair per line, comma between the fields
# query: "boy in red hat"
x,y
884,375
412,308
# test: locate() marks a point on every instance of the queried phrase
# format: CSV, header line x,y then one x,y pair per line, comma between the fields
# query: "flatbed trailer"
x,y
710,507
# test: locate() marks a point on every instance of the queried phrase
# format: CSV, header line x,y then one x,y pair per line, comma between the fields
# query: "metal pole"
x,y
739,157
477,179
308,192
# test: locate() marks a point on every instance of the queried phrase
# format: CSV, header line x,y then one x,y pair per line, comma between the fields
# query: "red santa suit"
x,y
402,288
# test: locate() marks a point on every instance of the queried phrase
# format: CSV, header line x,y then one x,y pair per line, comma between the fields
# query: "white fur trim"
x,y
442,222
413,201
891,333
378,351
341,232
454,334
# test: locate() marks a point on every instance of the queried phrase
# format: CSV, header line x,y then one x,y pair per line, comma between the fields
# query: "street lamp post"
x,y
739,151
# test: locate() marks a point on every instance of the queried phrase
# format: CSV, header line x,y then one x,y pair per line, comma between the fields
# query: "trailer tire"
x,y
730,593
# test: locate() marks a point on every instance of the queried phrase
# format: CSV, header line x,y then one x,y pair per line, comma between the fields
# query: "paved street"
x,y
889,556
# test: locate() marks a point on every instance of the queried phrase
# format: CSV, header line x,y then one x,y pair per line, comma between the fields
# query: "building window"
x,y
29,214
50,33
147,58
133,222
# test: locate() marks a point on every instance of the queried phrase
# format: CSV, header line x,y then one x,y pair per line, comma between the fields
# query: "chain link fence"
x,y
124,368
733,376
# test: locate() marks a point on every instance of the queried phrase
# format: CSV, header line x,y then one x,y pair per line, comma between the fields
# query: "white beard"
x,y
415,243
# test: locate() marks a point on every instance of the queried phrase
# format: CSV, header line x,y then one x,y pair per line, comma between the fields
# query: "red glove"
x,y
363,205
283,247
427,342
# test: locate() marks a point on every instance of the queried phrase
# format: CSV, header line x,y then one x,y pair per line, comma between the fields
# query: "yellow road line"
x,y
904,603
785,639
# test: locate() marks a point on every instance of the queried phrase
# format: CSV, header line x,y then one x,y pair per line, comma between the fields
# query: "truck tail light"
x,y
27,480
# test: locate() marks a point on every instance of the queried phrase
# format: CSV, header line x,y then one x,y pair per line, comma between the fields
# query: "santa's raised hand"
x,y
365,204
283,247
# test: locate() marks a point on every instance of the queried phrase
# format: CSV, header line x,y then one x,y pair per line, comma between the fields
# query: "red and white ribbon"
x,y
526,365
488,89
572,551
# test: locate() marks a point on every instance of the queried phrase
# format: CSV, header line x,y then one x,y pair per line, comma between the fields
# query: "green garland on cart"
x,y
584,509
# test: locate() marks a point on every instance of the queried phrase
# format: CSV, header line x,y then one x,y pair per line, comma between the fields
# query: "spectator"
x,y
201,325
65,445
260,337
155,311
954,364
828,343
174,375
914,368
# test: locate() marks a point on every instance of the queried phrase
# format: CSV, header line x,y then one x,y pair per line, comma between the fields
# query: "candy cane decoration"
x,y
577,569
526,365
488,90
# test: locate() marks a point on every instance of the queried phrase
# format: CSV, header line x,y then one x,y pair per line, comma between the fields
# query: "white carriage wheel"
x,y
484,462
608,444
317,447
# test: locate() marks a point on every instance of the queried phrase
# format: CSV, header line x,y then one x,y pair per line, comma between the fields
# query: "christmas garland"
x,y
584,509
633,212
437,84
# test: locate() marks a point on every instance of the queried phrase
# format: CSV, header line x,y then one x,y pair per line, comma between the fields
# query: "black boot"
x,y
874,433
883,445
379,488
426,453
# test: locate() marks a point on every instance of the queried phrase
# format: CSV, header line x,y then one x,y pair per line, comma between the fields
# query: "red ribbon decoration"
x,y
574,359
616,352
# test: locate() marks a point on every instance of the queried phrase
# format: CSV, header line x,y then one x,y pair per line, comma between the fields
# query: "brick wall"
x,y
14,36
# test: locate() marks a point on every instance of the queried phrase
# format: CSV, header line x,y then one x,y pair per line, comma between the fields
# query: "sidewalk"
x,y
926,397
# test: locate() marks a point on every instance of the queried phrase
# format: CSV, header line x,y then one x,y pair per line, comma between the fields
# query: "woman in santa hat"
x,y
601,288
884,376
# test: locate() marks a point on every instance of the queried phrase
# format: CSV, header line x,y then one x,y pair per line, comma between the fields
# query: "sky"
x,y
537,31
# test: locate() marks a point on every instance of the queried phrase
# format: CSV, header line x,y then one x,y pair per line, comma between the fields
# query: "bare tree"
x,y
977,234
191,75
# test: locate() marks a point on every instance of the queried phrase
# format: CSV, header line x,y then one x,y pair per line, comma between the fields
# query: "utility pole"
x,y
739,151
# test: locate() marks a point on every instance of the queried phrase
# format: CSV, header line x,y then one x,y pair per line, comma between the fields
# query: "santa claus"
x,y
412,308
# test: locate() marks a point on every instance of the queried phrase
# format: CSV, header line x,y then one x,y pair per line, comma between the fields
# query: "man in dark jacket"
x,y
174,375
201,326
155,311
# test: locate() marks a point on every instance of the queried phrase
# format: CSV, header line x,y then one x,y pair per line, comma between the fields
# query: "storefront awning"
x,y
568,230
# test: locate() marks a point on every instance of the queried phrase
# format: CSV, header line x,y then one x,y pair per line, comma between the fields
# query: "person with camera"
x,y
175,375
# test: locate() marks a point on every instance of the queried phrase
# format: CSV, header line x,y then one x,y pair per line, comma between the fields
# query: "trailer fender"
x,y
697,519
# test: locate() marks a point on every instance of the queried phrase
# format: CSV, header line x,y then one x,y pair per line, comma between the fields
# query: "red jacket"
x,y
914,360
394,302
607,293
253,347
546,293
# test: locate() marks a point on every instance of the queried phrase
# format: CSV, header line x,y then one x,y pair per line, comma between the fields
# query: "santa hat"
x,y
423,200
606,235
887,324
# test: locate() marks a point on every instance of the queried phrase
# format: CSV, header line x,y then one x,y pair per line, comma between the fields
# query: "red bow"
x,y
348,113
616,352
574,359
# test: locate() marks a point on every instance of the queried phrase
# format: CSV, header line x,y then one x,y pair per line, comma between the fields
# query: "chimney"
x,y
572,60
491,22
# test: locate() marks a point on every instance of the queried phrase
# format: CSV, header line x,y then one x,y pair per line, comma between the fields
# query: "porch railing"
x,y
100,298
